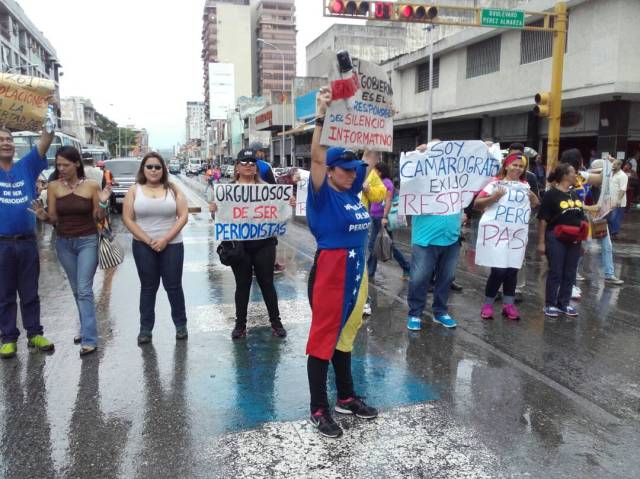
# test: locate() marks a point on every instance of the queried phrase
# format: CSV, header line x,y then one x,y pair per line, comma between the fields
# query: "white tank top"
x,y
156,216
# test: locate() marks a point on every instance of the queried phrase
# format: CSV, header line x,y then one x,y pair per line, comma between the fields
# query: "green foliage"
x,y
114,135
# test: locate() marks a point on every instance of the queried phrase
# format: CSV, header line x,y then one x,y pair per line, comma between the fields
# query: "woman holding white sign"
x,y
338,280
256,256
505,226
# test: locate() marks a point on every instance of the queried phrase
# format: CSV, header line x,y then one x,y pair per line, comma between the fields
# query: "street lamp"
x,y
282,157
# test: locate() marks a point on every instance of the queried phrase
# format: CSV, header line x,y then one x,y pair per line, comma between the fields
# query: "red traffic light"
x,y
383,10
418,12
336,6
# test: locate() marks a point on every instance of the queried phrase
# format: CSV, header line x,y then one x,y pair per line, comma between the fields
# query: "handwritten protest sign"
x,y
301,193
504,227
444,179
251,212
24,101
605,200
365,120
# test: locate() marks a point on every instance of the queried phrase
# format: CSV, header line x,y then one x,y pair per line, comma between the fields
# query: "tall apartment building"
x,y
79,120
276,25
23,47
196,121
228,40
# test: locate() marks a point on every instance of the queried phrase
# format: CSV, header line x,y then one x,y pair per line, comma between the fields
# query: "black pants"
x,y
317,370
259,256
505,277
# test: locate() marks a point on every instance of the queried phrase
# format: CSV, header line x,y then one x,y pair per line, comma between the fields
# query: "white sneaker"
x,y
576,293
366,310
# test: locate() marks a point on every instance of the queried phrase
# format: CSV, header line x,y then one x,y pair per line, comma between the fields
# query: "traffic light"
x,y
383,10
342,7
543,104
416,12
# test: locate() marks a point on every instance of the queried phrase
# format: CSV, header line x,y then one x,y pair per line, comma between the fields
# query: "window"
x,y
422,80
483,57
535,46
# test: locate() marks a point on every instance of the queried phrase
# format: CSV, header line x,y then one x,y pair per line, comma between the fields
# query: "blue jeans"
x,y
372,262
153,266
79,258
425,261
563,265
19,273
606,255
614,219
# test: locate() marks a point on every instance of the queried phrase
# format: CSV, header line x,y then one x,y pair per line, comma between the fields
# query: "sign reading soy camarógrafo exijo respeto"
x,y
364,121
444,179
251,212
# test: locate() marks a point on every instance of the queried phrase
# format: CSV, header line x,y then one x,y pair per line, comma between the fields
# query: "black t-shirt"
x,y
560,208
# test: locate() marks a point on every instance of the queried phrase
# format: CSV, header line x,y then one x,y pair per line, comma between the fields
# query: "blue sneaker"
x,y
551,311
414,323
446,320
569,311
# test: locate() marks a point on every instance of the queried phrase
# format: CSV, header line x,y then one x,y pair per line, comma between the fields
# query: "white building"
x,y
485,81
195,124
79,120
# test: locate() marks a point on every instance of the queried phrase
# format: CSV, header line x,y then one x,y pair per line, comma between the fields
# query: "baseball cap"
x,y
343,158
247,155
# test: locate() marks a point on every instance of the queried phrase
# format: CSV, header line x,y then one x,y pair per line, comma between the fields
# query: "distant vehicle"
x,y
174,167
227,171
98,153
123,175
194,166
24,141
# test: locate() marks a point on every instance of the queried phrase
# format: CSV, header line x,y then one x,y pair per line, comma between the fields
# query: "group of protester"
x,y
348,204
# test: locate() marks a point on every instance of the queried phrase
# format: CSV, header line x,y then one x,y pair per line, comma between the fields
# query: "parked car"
x,y
123,174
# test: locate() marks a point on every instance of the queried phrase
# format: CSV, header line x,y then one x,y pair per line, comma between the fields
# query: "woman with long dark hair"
x,y
75,204
379,213
562,229
338,283
514,169
155,211
258,257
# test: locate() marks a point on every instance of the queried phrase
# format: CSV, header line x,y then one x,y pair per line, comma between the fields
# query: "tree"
x,y
111,133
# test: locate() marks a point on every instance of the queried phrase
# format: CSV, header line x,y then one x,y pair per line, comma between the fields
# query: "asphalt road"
x,y
534,398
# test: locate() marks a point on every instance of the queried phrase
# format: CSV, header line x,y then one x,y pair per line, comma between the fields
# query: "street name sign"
x,y
500,18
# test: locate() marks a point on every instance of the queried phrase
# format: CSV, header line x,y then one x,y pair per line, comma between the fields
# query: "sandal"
x,y
86,350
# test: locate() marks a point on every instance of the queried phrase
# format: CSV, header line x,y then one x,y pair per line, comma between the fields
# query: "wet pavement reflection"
x,y
535,398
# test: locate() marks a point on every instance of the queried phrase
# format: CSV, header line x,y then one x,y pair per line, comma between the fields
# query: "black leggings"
x,y
317,370
505,277
259,256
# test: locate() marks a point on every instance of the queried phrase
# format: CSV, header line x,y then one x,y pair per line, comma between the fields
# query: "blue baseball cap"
x,y
343,158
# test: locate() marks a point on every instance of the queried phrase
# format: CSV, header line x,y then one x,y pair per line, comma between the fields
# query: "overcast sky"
x,y
141,56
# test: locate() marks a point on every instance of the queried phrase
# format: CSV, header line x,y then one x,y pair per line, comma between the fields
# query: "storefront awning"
x,y
298,130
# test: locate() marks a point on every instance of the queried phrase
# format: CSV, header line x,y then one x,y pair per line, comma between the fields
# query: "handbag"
x,y
571,234
230,252
110,254
383,247
599,229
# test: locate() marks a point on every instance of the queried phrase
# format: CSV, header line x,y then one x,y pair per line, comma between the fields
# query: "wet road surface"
x,y
534,398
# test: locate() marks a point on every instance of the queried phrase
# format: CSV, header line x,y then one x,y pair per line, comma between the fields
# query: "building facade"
x,y
195,123
23,47
276,25
79,119
485,81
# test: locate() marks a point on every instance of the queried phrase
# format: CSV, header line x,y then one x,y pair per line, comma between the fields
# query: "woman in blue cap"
x,y
338,280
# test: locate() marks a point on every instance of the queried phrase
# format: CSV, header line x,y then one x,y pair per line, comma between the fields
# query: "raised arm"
x,y
319,152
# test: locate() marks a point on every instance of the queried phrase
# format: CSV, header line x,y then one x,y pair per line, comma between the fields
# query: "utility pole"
x,y
430,120
557,70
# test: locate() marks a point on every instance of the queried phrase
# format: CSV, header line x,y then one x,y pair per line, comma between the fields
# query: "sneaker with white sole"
x,y
551,311
613,280
445,320
579,277
356,406
366,309
569,311
325,424
576,293
414,323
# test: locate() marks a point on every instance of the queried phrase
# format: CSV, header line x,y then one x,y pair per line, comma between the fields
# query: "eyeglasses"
x,y
248,163
153,167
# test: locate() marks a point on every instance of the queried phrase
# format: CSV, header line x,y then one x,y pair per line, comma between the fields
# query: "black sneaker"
x,y
326,425
278,330
456,287
144,338
182,332
357,406
239,332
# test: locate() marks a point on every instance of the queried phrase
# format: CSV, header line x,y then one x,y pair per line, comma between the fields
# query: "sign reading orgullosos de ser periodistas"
x,y
364,121
251,212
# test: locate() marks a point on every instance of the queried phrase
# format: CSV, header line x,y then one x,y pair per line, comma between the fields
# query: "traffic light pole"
x,y
557,69
430,119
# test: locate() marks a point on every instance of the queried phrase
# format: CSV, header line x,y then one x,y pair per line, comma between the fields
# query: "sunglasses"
x,y
248,163
153,167
348,155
